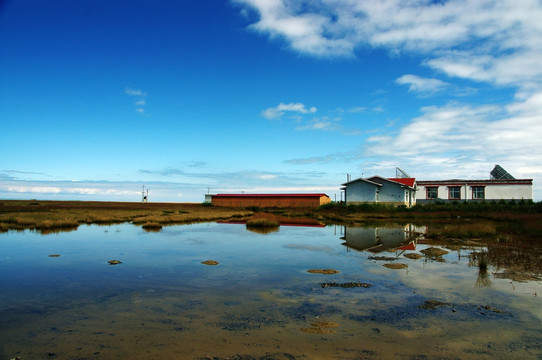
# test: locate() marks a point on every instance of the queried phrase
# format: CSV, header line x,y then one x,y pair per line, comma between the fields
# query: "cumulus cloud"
x,y
467,140
420,84
278,111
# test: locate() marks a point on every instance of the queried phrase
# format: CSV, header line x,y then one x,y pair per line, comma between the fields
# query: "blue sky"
x,y
98,98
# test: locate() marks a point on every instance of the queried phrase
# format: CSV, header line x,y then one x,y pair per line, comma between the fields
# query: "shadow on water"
x,y
450,298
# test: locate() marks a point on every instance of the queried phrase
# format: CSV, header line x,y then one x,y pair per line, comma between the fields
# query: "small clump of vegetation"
x,y
152,226
263,223
479,259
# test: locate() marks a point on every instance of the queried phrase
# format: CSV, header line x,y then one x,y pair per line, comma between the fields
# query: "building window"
x,y
478,192
432,192
454,193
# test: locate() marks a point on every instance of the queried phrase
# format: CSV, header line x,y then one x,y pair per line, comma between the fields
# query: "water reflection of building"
x,y
377,239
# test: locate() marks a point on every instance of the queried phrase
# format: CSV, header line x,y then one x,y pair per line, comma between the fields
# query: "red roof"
x,y
270,195
405,181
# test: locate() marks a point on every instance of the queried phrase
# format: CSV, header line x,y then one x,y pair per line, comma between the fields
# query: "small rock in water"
x,y
210,262
114,262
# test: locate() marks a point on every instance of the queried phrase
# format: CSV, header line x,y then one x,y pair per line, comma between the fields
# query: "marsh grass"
x,y
480,259
59,215
464,229
152,226
263,225
457,221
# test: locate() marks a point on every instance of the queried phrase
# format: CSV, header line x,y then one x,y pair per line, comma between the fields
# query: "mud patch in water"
x,y
321,327
413,256
434,252
323,271
396,266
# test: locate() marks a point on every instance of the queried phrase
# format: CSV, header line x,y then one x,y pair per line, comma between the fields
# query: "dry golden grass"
x,y
262,223
47,216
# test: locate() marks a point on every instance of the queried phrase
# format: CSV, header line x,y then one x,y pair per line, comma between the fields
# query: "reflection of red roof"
x,y
409,246
405,181
269,195
280,222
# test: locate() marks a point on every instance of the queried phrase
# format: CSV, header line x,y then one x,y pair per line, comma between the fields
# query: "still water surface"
x,y
260,302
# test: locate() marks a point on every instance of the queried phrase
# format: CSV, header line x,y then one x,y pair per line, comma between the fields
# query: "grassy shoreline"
x,y
50,216
452,220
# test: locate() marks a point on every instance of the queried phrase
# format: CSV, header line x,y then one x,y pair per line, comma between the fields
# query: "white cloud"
x,y
322,124
306,32
267,176
357,109
420,84
467,140
33,189
134,92
500,41
278,111
140,102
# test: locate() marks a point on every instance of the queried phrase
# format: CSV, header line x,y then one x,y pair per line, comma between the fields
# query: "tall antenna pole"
x,y
144,197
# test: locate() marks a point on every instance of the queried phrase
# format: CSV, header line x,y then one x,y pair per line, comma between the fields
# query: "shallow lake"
x,y
61,299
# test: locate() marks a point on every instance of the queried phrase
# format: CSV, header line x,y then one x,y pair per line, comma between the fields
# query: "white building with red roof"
x,y
377,189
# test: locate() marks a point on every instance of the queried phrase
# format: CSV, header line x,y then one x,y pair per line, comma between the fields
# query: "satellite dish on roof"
x,y
401,174
498,173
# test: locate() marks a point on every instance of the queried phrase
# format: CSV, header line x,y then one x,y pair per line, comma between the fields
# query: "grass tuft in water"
x,y
263,223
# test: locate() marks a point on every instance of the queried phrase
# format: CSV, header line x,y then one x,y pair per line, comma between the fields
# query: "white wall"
x,y
492,191
517,192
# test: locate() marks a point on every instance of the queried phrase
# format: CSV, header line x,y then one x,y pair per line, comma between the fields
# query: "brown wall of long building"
x,y
270,201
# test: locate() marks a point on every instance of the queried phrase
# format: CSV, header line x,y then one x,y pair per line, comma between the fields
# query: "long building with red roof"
x,y
270,200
